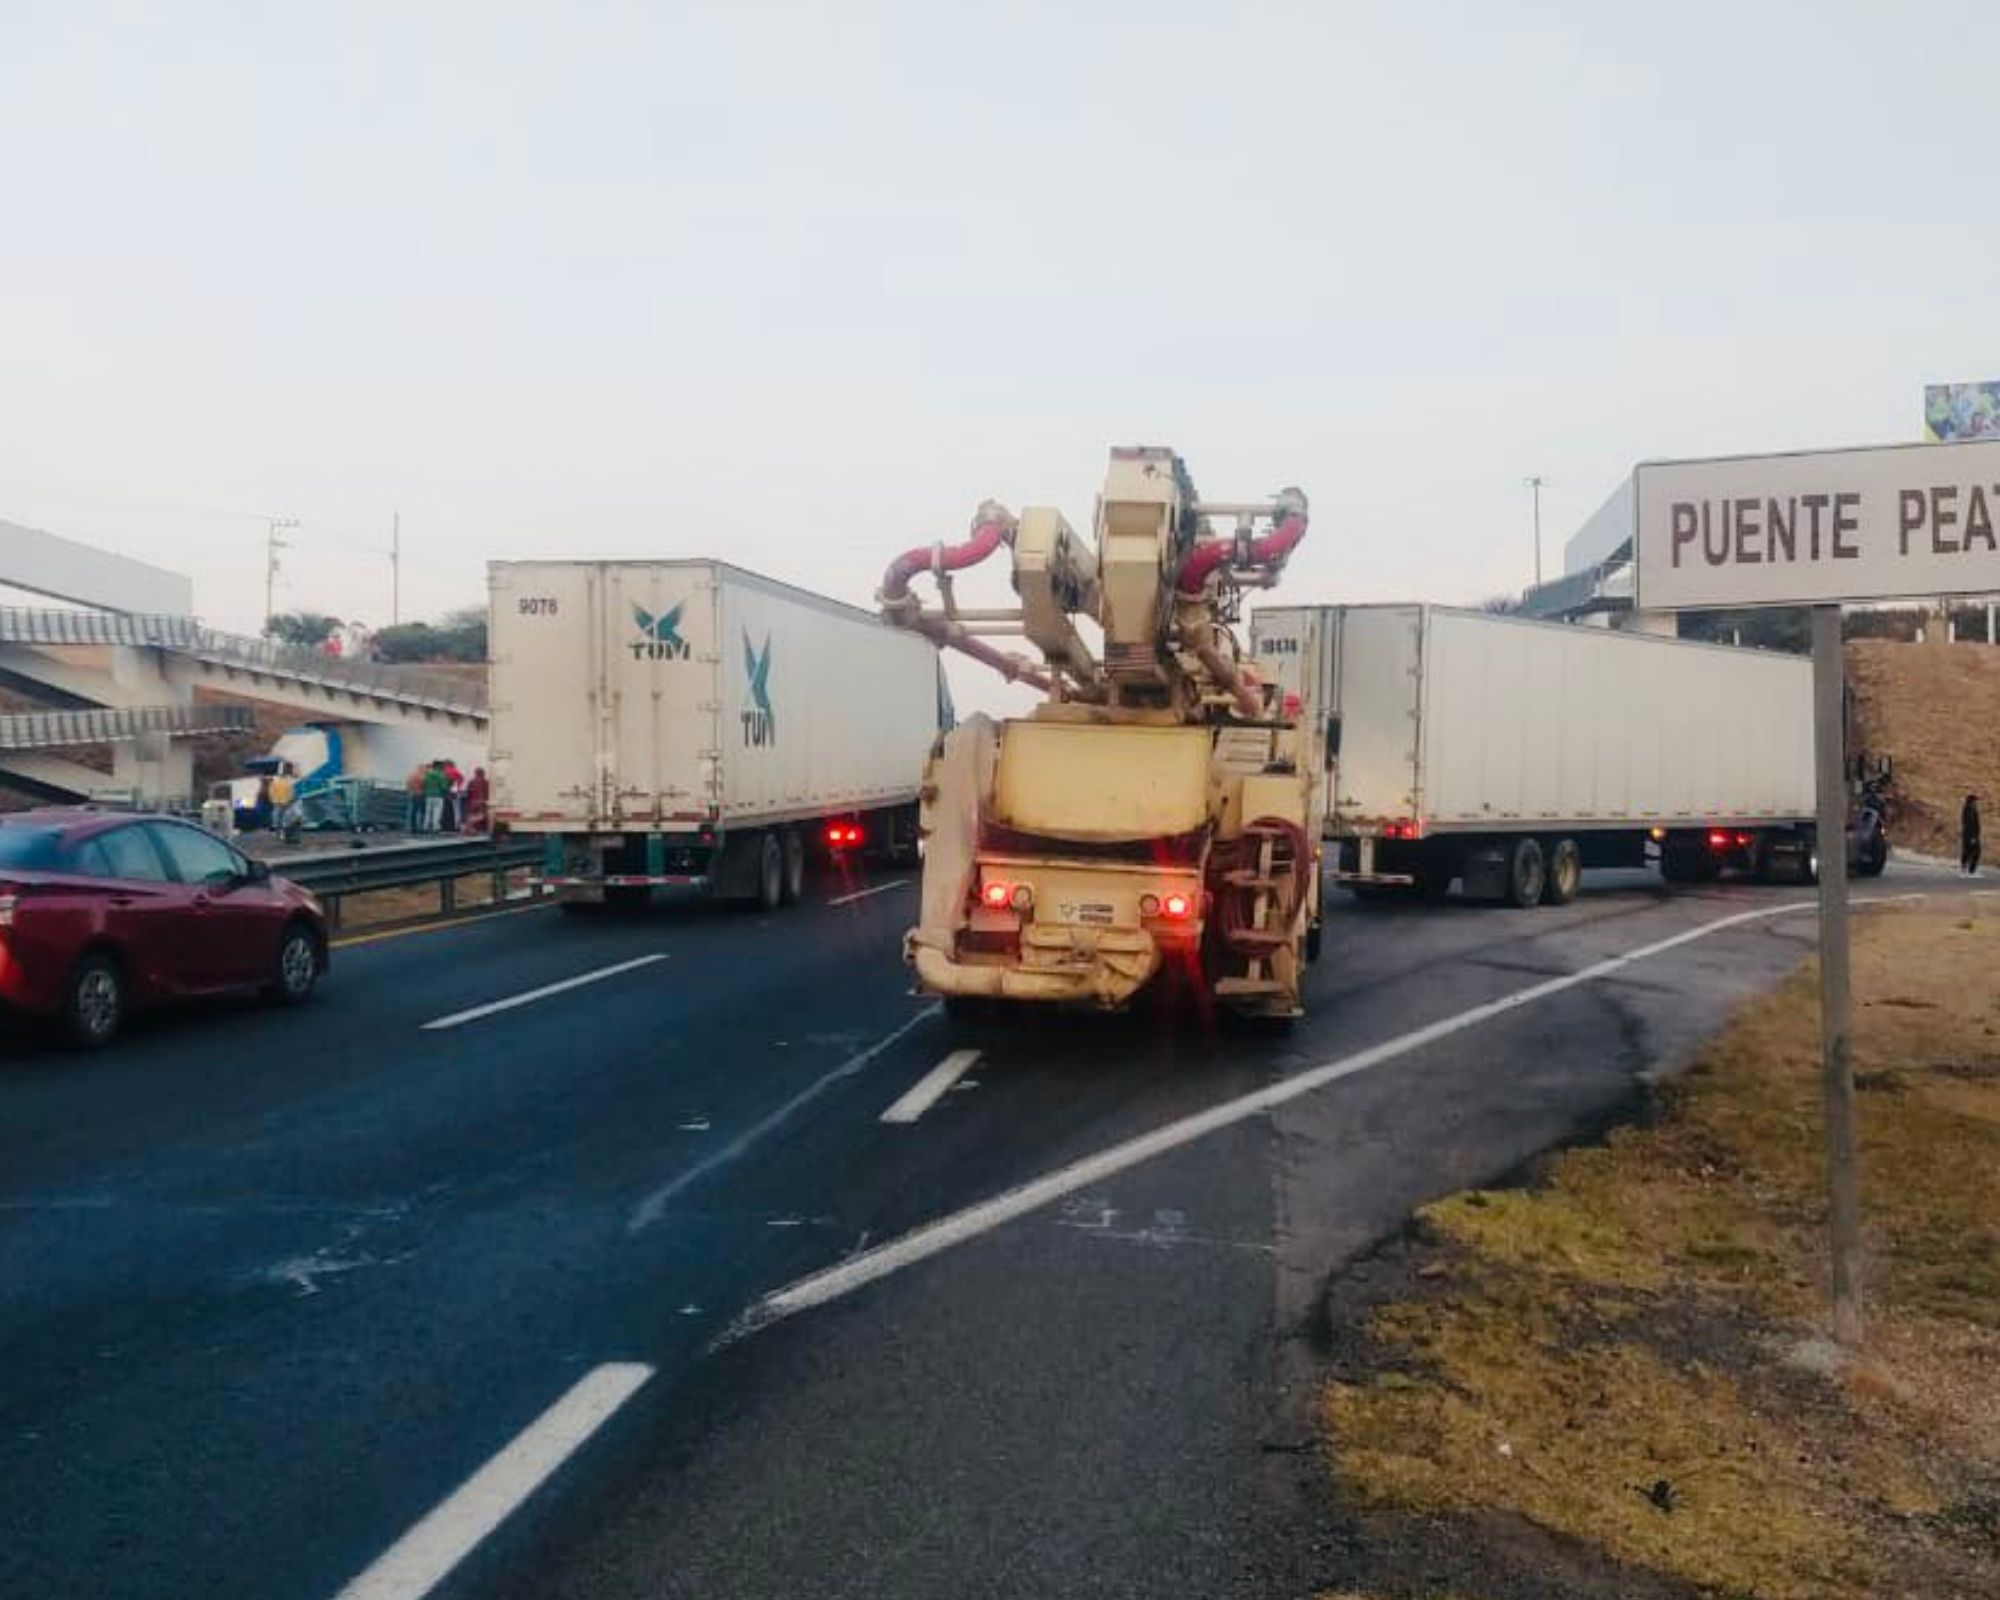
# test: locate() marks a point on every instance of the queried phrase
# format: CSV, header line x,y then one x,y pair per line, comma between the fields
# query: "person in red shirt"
x,y
477,796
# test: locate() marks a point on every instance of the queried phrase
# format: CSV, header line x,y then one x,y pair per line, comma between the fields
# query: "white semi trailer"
x,y
675,726
1511,755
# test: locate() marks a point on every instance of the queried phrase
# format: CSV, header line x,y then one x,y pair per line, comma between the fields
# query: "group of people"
x,y
444,800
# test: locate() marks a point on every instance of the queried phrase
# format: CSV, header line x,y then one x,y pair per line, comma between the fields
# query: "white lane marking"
x,y
416,1563
654,1206
530,996
863,894
935,1237
928,1090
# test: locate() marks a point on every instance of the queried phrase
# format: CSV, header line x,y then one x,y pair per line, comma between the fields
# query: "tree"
x,y
456,636
306,629
1500,605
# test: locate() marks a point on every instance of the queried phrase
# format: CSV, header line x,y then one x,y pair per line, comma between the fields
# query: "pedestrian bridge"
x,y
126,677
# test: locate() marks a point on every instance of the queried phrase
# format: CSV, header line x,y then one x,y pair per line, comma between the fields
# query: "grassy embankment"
x,y
1614,1381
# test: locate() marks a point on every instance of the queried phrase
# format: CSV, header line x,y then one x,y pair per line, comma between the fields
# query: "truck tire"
x,y
1565,872
795,867
1527,873
770,872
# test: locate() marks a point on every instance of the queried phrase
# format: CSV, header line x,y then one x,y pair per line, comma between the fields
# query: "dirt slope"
x,y
1936,710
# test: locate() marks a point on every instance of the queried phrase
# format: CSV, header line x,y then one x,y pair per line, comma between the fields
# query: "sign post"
x,y
1821,529
1836,1042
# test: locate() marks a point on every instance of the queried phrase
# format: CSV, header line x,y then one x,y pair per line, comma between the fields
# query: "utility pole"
x,y
272,545
395,568
1535,485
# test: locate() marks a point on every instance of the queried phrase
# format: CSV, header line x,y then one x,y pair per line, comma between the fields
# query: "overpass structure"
x,y
123,671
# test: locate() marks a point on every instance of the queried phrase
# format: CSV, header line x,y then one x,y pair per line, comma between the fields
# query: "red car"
x,y
101,913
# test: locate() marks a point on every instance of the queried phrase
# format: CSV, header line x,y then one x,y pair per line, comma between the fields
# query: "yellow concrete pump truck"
x,y
1158,812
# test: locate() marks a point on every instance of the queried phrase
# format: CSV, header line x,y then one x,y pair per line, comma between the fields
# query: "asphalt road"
x,y
273,1285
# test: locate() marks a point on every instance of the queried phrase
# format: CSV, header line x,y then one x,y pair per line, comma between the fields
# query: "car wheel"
x,y
94,1009
298,966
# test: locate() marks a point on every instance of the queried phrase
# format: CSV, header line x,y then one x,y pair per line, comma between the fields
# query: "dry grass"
x,y
1611,1356
1933,708
385,907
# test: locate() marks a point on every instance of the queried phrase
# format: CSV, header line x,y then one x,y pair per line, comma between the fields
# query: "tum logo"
x,y
659,637
760,727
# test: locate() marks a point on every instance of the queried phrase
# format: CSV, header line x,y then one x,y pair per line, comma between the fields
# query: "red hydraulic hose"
x,y
988,534
1273,547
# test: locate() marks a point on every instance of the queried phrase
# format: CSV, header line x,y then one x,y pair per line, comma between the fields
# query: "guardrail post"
x,y
447,896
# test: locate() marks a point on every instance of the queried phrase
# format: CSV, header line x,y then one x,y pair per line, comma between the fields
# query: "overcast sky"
x,y
801,285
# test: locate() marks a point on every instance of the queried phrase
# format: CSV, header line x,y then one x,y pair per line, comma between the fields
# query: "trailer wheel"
x,y
770,873
1527,874
1565,873
795,867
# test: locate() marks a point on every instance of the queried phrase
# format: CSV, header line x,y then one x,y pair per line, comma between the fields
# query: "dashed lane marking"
x,y
932,1086
416,1563
530,996
863,894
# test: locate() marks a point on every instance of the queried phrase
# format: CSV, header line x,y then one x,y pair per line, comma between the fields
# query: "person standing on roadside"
x,y
435,786
1968,837
413,786
477,795
283,791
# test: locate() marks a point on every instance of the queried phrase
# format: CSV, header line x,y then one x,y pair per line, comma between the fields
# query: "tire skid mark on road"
x,y
654,1206
959,1227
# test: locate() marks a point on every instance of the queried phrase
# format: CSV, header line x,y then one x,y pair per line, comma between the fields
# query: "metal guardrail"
x,y
331,874
48,730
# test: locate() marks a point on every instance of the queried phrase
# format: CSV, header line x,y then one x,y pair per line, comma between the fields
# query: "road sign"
x,y
1886,523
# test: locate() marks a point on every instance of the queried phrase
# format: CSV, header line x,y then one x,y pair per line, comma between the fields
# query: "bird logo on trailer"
x,y
660,637
760,726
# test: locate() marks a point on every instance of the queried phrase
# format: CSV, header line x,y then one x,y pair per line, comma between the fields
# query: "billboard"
x,y
1835,525
1954,411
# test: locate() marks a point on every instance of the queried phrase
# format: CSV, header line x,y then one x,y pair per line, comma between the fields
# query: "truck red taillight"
x,y
843,835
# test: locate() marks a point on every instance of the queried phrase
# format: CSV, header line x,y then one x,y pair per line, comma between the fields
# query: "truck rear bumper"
x,y
589,890
1109,976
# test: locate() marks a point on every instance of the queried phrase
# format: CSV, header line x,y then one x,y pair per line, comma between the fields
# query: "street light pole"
x,y
1535,484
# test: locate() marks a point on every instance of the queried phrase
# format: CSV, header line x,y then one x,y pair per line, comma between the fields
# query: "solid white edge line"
x,y
931,1087
933,1238
530,996
654,1206
863,894
416,1563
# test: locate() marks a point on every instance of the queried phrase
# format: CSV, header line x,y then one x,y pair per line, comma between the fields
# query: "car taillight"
x,y
843,835
1177,907
1717,839
997,894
